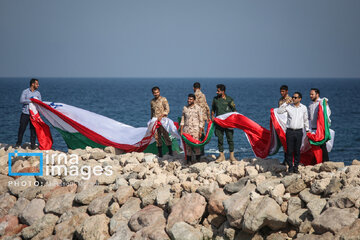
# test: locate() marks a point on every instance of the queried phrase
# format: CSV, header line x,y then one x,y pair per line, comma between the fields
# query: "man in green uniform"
x,y
223,104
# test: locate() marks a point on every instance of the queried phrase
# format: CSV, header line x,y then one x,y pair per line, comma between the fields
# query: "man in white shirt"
x,y
313,114
297,119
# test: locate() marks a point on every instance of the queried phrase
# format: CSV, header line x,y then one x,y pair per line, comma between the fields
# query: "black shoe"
x,y
290,170
17,145
170,150
296,170
198,158
160,152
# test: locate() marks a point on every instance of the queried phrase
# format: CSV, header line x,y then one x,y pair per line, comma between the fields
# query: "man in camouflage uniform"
x,y
200,100
192,123
284,95
222,104
159,109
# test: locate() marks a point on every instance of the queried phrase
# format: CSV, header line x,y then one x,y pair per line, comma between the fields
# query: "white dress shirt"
x,y
297,117
313,112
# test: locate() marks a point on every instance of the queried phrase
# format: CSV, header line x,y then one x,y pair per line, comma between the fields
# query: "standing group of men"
x,y
197,113
298,118
194,118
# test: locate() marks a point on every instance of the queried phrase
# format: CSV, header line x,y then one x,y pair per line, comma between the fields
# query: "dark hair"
x,y
300,95
155,88
284,87
192,95
196,85
221,87
33,80
316,90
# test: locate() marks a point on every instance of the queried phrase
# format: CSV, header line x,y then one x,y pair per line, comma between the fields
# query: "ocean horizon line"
x,y
188,78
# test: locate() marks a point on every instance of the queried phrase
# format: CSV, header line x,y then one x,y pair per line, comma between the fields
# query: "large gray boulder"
x,y
33,211
60,204
93,228
150,216
47,221
263,211
184,231
130,207
235,206
190,208
89,194
333,219
298,216
267,185
347,198
316,206
100,205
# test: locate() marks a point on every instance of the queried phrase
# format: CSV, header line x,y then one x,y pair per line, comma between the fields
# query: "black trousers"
x,y
24,121
293,142
325,154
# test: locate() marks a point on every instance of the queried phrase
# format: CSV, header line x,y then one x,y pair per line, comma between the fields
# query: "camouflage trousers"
x,y
189,149
161,132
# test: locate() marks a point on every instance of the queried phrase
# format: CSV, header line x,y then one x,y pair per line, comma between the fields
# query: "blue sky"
x,y
187,38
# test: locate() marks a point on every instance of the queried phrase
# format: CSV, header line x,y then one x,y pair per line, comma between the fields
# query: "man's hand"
x,y
288,101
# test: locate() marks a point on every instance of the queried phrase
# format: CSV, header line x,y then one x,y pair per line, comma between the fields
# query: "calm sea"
x,y
128,101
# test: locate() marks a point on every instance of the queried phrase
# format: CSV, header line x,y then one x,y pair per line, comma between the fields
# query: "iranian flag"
x,y
43,133
322,135
266,142
81,128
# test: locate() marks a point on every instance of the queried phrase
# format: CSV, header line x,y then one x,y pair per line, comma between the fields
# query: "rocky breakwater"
x,y
149,198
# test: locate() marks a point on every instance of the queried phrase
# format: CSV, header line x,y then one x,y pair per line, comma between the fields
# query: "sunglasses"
x,y
295,97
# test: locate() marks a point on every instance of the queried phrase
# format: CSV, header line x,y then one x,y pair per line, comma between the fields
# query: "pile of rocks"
x,y
150,198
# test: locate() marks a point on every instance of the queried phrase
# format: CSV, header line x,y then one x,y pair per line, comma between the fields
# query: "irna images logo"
x,y
17,154
60,165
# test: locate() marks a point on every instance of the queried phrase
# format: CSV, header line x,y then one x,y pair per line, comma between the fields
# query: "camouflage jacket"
x,y
159,107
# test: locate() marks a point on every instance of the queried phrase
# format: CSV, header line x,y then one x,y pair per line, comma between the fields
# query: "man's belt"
x,y
291,129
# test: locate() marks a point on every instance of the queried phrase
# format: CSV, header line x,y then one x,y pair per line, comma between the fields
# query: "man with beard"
x,y
313,109
192,123
159,109
222,104
25,97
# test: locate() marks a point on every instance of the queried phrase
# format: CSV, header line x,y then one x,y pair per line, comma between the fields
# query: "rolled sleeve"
x,y
282,108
